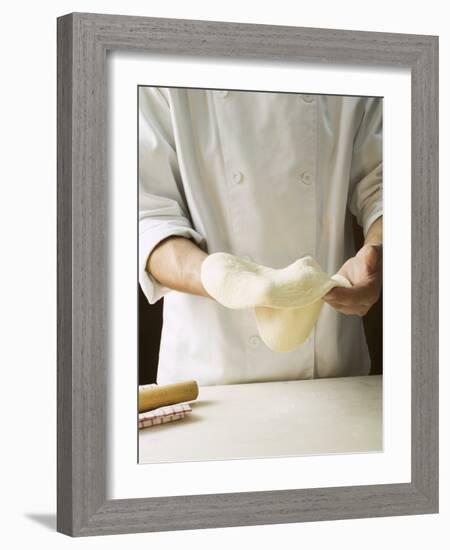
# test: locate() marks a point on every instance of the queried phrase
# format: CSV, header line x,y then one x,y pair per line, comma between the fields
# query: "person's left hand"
x,y
365,272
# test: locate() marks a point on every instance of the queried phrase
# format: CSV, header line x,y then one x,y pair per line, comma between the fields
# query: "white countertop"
x,y
304,417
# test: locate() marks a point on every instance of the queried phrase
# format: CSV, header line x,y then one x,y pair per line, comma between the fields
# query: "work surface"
x,y
334,415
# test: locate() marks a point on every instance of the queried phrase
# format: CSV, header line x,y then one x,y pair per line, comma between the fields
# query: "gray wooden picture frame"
x,y
83,41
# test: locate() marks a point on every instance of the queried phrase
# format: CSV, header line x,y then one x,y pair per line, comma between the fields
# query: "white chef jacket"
x,y
268,176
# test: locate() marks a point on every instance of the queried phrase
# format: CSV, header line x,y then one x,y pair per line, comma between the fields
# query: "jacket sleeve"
x,y
366,176
162,207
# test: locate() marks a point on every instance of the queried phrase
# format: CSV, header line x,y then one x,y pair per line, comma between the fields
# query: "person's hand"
x,y
365,273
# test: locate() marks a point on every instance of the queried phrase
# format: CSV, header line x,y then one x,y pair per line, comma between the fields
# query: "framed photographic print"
x,y
253,351
247,274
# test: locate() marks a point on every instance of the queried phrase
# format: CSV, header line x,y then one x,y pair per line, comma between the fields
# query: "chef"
x,y
270,177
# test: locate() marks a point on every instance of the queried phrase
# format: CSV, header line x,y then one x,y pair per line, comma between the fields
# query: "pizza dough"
x,y
287,302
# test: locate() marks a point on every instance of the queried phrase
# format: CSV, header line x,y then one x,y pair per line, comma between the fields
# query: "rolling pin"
x,y
154,396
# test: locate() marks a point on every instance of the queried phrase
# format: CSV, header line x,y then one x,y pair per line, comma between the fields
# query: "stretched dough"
x,y
287,302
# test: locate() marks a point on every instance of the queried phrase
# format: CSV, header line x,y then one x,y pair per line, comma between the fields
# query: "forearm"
x,y
375,233
176,264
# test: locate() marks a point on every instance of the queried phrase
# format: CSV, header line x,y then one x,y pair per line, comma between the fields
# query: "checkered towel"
x,y
163,415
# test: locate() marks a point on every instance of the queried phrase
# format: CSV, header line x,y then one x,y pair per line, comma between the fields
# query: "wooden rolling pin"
x,y
153,396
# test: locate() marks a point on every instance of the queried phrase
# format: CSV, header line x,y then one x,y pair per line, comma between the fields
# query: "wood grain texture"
x,y
83,40
64,294
424,277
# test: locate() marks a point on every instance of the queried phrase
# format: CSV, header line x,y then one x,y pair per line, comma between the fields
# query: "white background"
x,y
28,274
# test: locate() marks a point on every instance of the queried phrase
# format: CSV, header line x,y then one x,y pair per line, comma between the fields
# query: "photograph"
x,y
260,271
248,318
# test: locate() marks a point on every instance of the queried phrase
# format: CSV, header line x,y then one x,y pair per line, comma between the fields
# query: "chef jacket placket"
x,y
308,178
240,185
234,182
304,184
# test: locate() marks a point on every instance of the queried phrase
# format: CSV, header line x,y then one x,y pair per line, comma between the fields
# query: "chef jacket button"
x,y
254,341
307,98
237,177
307,178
